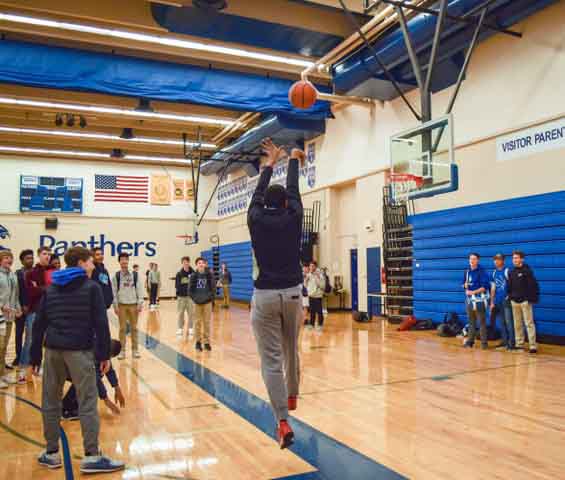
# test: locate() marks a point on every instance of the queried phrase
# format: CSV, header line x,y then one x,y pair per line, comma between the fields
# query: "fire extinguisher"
x,y
383,276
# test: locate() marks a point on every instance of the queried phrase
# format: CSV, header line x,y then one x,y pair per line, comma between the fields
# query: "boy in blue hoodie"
x,y
476,284
72,326
500,303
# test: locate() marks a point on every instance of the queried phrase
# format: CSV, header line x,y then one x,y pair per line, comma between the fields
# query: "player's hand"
x,y
140,308
492,306
119,397
6,309
104,367
112,406
273,152
299,155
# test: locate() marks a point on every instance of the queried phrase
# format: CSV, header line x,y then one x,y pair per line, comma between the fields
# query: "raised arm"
x,y
292,188
257,204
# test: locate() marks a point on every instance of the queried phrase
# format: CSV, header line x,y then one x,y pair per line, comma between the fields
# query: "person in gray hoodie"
x,y
9,310
128,303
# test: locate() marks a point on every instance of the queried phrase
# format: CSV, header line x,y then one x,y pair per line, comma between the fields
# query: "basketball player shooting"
x,y
275,224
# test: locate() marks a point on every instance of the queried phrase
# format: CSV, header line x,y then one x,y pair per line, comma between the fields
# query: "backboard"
x,y
425,153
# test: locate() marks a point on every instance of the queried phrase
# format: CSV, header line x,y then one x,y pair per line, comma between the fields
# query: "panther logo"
x,y
4,234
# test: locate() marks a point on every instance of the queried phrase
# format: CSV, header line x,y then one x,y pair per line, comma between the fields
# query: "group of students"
x,y
314,288
63,314
509,294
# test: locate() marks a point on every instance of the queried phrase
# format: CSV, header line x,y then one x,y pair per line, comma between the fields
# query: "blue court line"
x,y
332,459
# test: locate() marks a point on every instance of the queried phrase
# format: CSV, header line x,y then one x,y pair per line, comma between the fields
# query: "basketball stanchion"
x,y
67,463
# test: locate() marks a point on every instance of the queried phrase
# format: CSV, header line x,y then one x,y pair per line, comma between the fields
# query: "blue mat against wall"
x,y
443,240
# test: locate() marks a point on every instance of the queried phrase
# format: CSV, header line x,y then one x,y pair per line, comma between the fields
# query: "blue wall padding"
x,y
443,240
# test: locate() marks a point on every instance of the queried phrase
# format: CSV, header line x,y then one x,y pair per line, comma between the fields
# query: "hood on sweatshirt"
x,y
67,275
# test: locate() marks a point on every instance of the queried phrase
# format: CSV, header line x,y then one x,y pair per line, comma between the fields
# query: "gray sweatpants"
x,y
58,365
277,316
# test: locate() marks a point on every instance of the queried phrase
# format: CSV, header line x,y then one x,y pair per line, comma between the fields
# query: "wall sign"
x,y
50,194
549,136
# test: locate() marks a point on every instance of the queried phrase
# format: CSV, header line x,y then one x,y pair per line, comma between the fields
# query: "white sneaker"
x,y
191,332
9,380
122,356
136,355
3,384
179,332
325,311
318,328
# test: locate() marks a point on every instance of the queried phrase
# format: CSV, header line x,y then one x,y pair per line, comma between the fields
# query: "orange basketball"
x,y
302,95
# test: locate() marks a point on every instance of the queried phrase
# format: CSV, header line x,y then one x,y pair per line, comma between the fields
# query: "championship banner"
x,y
160,190
189,195
178,189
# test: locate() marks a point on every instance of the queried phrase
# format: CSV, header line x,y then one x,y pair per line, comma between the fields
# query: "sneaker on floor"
x,y
50,460
292,403
179,332
484,346
122,356
501,346
533,350
319,328
9,380
191,332
198,346
3,384
285,435
100,464
9,366
70,415
208,347
468,345
309,327
136,354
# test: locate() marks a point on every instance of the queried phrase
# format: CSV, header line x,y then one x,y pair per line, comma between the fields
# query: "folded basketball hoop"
x,y
401,184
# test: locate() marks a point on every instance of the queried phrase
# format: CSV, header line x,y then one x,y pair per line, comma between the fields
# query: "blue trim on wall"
x,y
333,460
443,240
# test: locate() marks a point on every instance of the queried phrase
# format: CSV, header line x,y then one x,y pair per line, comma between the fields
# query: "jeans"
x,y
153,292
316,309
503,310
20,328
25,358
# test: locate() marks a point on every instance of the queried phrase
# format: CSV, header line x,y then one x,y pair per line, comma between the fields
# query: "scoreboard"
x,y
50,194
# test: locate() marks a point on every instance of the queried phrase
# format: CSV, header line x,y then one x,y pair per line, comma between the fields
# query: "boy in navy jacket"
x,y
477,285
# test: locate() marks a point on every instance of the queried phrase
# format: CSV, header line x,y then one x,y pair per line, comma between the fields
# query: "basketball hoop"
x,y
401,184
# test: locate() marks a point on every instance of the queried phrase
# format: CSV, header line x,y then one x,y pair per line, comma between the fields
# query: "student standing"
x,y
154,279
128,303
523,290
101,276
26,260
275,224
202,291
73,327
476,284
9,309
225,281
500,306
305,299
315,286
184,302
36,281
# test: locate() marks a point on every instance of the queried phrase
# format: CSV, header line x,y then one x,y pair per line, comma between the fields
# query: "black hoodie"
x,y
101,276
522,285
182,281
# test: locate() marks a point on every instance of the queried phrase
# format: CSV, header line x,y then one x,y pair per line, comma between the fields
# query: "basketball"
x,y
302,94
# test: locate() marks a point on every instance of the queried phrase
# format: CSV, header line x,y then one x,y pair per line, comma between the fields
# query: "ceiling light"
x,y
157,39
114,111
102,136
45,151
115,154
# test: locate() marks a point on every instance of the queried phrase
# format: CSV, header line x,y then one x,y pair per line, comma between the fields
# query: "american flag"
x,y
121,188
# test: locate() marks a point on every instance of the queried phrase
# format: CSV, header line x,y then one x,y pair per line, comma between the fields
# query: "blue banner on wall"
x,y
50,194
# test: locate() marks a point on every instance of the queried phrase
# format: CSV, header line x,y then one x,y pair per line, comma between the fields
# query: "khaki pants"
x,y
226,290
4,341
128,314
184,304
524,314
58,365
202,315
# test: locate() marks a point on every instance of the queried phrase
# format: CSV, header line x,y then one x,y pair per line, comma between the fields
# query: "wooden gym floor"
x,y
375,403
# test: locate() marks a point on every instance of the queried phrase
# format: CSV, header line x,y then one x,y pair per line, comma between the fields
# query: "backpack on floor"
x,y
407,324
450,326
